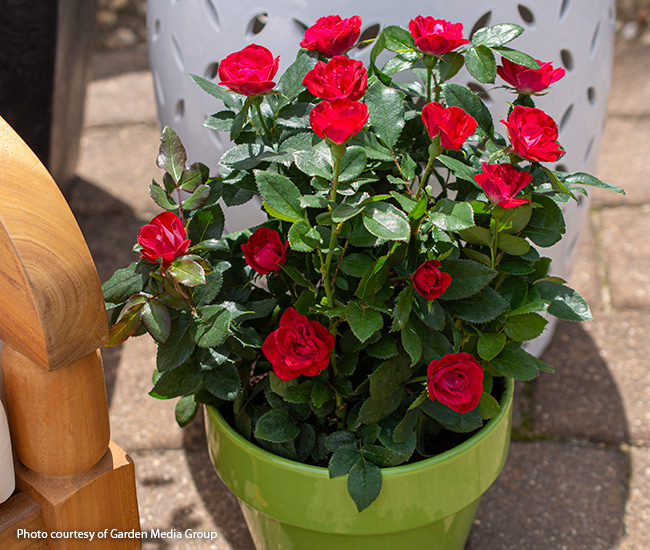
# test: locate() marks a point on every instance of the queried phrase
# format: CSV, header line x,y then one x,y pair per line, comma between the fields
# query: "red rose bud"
x,y
429,281
298,346
533,134
332,35
249,71
527,80
163,238
456,380
452,123
341,78
501,182
264,251
436,36
338,120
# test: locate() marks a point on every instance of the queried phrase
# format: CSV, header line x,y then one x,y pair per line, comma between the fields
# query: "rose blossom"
x,y
298,346
338,120
340,78
163,238
501,182
456,380
264,251
452,123
332,35
429,281
527,80
533,134
436,36
249,71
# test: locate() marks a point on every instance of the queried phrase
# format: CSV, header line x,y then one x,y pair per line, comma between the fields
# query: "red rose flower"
x,y
533,134
249,71
456,380
436,36
501,182
341,78
452,123
527,80
298,346
264,251
338,120
163,238
429,281
332,35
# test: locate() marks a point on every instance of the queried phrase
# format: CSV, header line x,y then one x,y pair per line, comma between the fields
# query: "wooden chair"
x,y
69,475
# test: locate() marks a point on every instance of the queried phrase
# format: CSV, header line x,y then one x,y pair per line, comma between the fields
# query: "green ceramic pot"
x,y
427,505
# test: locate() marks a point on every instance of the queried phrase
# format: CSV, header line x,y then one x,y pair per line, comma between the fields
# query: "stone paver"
x,y
626,252
554,496
637,509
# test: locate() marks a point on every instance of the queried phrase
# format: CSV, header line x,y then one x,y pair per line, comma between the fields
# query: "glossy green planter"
x,y
427,505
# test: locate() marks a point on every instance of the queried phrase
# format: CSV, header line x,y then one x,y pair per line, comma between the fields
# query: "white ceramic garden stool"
x,y
192,37
7,475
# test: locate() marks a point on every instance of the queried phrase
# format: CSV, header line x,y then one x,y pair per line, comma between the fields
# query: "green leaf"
x,y
459,169
514,220
404,430
490,345
387,222
290,84
123,284
496,35
566,303
276,426
244,156
516,363
207,224
343,459
156,319
383,349
198,198
511,244
321,393
212,327
344,212
403,307
221,121
412,343
178,347
452,62
488,406
479,308
374,277
364,484
314,162
467,278
128,322
463,97
389,377
280,193
340,439
520,58
223,382
477,235
450,215
381,456
203,295
525,326
171,155
355,264
161,198
386,108
187,272
230,99
363,320
240,120
397,38
177,382
352,164
303,237
480,63
186,409
588,179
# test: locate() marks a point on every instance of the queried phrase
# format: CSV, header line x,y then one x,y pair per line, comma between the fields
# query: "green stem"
x,y
437,88
429,75
325,268
259,114
424,178
417,379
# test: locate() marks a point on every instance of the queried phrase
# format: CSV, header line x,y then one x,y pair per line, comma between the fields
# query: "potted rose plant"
x,y
370,330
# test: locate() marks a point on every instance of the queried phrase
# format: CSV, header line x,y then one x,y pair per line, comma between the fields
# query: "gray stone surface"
x,y
637,509
626,251
554,496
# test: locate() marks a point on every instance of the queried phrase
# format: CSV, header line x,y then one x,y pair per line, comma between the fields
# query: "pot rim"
x,y
403,469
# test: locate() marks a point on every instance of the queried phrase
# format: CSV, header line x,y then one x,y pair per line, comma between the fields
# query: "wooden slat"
x,y
50,295
21,512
